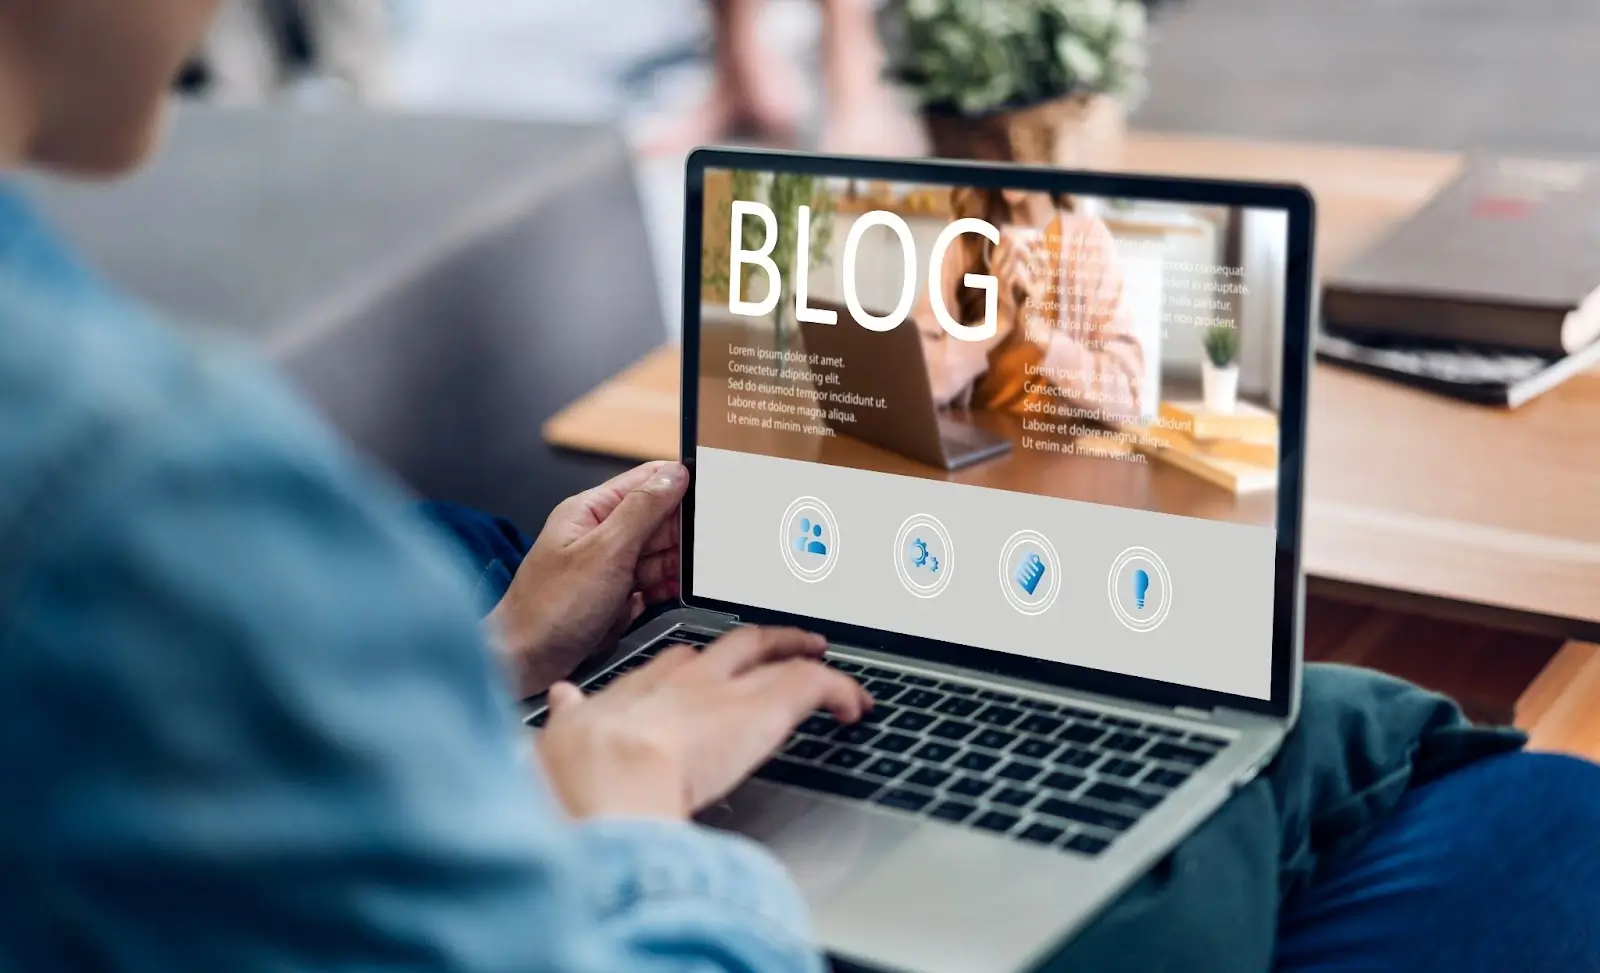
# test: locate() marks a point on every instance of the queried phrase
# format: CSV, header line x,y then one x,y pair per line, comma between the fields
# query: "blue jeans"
x,y
1388,835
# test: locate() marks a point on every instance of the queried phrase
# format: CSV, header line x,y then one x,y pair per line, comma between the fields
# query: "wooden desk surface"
x,y
1443,506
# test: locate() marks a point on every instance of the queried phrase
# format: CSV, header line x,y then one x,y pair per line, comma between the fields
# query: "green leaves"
x,y
976,56
1221,343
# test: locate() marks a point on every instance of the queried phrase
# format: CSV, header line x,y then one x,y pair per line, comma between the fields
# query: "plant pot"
x,y
1083,131
1220,386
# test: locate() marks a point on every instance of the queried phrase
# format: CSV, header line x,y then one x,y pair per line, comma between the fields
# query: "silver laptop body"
x,y
893,885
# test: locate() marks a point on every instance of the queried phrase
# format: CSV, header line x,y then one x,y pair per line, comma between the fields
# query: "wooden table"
x,y
1415,501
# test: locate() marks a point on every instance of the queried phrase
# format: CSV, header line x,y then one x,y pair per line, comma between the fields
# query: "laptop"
x,y
1065,689
890,365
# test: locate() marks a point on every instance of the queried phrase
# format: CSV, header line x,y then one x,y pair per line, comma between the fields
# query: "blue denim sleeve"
x,y
250,725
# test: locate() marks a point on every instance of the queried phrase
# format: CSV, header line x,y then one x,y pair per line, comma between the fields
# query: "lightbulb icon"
x,y
1141,586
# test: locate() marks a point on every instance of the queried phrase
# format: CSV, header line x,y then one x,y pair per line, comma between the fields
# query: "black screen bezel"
x,y
1298,293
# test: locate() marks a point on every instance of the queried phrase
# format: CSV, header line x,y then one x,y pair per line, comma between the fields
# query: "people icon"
x,y
810,539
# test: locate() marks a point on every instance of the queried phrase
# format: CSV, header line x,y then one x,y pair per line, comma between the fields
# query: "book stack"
x,y
1488,294
1236,450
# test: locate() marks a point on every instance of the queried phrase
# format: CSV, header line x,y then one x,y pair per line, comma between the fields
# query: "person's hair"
x,y
990,206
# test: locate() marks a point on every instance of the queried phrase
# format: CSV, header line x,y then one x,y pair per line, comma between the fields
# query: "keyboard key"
x,y
1014,797
1041,834
904,800
1166,777
880,714
997,697
996,821
819,726
1116,794
952,811
847,758
876,672
883,691
993,739
920,699
1084,814
817,779
1170,732
1088,716
1041,725
976,762
1086,844
856,734
1125,742
1017,770
1063,782
1121,721
895,743
1121,768
958,689
1205,742
1076,759
888,767
1036,749
1081,733
908,720
1174,754
953,730
998,715
935,753
844,665
929,777
806,748
919,681
958,706
1037,704
970,787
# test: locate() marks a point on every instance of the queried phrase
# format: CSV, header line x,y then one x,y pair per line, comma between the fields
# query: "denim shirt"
x,y
250,723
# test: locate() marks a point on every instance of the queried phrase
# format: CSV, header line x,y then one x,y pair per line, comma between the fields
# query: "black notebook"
x,y
1483,375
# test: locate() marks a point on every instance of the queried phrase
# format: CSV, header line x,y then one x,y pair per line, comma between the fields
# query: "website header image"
x,y
1114,351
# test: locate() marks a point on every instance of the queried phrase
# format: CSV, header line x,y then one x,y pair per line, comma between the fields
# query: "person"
x,y
1062,326
757,94
256,719
257,49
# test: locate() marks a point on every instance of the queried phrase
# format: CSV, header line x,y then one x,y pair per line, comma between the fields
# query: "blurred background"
x,y
457,225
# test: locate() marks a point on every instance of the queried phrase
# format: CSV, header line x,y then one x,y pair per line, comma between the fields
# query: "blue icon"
x,y
1029,573
1141,586
810,539
920,558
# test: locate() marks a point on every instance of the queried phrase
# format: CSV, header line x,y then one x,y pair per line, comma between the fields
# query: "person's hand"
x,y
1012,265
678,734
602,556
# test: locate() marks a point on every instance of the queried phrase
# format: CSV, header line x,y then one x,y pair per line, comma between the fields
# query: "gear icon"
x,y
920,555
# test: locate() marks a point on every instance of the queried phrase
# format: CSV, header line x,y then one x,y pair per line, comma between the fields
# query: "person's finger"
x,y
564,697
598,503
747,648
787,691
664,539
662,593
656,570
643,511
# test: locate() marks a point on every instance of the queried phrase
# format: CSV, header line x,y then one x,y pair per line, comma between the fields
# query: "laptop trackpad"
x,y
825,845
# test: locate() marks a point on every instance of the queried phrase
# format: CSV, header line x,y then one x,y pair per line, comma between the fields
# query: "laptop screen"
x,y
1037,423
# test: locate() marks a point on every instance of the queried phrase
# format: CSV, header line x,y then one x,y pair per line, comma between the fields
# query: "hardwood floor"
x,y
1550,689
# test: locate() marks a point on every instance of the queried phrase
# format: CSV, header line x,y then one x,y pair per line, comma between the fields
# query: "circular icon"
x,y
1140,589
1030,572
924,555
809,539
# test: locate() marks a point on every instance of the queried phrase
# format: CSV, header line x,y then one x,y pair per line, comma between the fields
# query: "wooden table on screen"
x,y
1414,501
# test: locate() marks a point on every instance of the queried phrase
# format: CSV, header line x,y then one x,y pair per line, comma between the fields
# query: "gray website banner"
x,y
1178,599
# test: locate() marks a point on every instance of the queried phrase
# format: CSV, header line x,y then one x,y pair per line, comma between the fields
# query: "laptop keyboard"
x,y
1034,770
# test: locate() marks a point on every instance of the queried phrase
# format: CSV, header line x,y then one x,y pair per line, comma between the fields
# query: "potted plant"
x,y
1219,370
1037,81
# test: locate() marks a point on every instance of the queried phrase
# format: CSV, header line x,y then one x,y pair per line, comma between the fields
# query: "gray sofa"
x,y
437,286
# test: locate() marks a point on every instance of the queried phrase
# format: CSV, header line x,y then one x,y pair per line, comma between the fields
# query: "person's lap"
x,y
1388,833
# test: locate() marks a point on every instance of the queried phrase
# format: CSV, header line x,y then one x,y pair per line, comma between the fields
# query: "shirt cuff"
x,y
635,863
